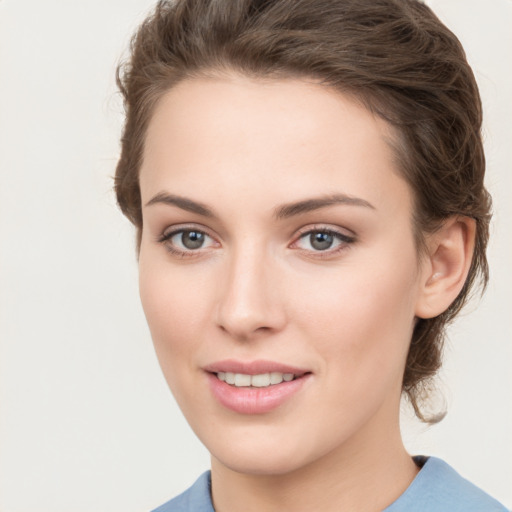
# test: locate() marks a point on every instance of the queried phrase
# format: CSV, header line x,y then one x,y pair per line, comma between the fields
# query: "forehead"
x,y
280,138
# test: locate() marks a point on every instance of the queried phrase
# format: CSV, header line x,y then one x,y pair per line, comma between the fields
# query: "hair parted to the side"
x,y
394,56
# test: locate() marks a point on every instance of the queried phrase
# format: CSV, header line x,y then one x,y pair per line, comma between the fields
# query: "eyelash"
x,y
167,236
344,241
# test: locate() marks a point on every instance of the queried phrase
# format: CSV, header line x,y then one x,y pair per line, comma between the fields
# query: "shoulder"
x,y
439,488
194,499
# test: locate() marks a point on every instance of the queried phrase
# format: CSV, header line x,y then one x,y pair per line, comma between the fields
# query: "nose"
x,y
250,300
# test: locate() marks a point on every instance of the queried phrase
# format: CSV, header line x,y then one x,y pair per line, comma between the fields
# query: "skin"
x,y
258,289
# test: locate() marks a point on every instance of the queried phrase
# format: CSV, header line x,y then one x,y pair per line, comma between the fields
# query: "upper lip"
x,y
256,367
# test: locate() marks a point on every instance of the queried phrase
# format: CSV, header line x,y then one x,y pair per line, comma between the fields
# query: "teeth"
x,y
276,378
242,380
262,380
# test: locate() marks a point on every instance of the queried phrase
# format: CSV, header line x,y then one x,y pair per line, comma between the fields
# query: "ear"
x,y
446,266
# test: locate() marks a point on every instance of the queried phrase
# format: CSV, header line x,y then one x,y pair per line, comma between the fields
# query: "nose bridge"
x,y
249,301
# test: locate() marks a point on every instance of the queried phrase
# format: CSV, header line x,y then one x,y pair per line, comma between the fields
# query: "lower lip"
x,y
250,400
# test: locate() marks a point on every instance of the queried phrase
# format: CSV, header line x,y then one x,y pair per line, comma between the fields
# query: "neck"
x,y
365,475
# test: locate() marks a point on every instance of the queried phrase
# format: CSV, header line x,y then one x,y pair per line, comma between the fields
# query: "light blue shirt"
x,y
436,488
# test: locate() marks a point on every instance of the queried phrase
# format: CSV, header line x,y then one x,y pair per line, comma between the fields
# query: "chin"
x,y
256,464
264,454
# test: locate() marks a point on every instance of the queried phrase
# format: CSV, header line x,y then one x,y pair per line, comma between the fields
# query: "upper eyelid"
x,y
301,232
326,228
178,228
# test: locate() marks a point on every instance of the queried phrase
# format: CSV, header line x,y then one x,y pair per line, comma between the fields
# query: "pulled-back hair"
x,y
394,56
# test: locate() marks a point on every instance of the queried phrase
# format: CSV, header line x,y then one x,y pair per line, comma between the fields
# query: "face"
x,y
278,270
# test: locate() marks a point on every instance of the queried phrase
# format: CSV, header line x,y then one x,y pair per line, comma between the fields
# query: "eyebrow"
x,y
181,202
308,205
281,212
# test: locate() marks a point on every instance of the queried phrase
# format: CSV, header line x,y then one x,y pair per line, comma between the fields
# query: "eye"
x,y
184,241
323,240
189,239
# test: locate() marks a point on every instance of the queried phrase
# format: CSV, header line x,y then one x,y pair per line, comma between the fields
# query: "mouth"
x,y
256,387
260,380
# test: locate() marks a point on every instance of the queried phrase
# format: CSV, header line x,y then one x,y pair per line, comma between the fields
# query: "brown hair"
x,y
393,55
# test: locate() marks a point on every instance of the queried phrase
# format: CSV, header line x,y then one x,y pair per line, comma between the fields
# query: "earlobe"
x,y
445,269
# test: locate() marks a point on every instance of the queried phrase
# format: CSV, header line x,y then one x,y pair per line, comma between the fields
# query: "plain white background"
x,y
86,421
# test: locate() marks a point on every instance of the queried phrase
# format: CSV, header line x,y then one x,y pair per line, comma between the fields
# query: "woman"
x,y
306,180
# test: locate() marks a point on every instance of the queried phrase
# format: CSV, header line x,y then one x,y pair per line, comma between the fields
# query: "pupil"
x,y
192,239
321,241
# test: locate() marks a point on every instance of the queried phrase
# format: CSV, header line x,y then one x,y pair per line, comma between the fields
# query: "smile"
x,y
255,387
261,380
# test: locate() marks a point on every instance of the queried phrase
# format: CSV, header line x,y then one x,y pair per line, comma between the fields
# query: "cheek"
x,y
362,316
174,303
175,308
